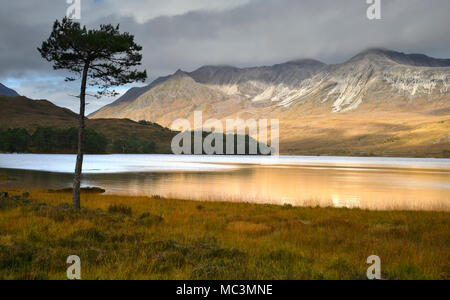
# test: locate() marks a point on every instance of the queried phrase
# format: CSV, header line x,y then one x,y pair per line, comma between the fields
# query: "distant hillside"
x,y
5,91
21,112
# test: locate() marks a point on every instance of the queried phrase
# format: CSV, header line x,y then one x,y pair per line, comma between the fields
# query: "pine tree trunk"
x,y
81,136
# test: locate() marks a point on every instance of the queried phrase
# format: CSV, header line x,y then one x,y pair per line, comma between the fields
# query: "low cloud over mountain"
x,y
376,78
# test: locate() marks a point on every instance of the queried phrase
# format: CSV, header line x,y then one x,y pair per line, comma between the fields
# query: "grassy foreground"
x,y
152,238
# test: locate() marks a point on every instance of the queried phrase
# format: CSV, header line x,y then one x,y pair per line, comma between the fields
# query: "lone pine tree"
x,y
102,58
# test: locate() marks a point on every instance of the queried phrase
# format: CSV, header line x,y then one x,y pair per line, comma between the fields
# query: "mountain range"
x,y
378,78
379,102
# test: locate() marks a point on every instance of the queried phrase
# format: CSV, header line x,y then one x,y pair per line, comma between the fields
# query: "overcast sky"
x,y
186,34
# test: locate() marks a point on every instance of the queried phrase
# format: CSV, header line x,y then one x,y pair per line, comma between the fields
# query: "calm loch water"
x,y
368,183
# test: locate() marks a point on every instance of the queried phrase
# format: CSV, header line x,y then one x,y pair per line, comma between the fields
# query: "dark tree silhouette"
x,y
101,58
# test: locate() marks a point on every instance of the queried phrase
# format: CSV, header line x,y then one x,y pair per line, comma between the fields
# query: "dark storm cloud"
x,y
23,26
272,31
246,33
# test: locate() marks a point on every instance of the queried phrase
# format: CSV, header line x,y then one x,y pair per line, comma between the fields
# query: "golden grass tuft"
x,y
243,227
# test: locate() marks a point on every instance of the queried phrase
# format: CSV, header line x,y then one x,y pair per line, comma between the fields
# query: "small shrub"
x,y
281,255
150,219
208,271
59,213
16,256
340,268
406,271
126,238
165,245
10,201
6,203
168,260
91,234
120,208
224,253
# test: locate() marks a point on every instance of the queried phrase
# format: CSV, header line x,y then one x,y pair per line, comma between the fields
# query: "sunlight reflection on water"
x,y
368,183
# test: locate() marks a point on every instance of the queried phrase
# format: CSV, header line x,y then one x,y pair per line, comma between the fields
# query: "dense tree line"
x,y
250,146
50,140
147,123
14,140
54,140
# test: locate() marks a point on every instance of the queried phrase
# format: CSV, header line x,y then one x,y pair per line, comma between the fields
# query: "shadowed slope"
x,y
21,112
5,91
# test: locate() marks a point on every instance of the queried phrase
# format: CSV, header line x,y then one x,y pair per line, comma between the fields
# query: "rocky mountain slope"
x,y
378,102
5,91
